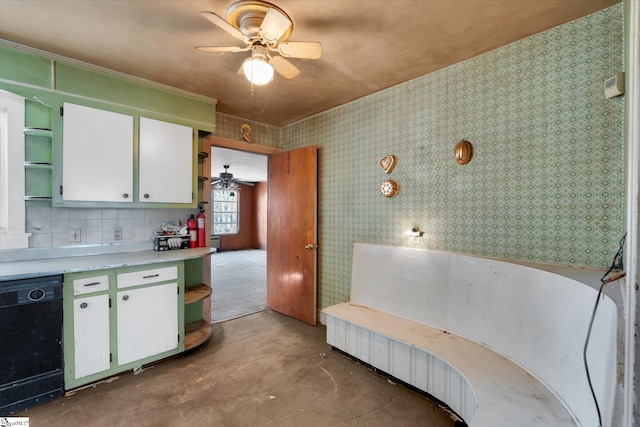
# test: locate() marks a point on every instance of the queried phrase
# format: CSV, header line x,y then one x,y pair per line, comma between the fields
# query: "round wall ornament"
x,y
389,188
463,152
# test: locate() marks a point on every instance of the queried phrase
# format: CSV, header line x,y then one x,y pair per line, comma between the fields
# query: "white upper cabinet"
x,y
166,162
98,158
97,155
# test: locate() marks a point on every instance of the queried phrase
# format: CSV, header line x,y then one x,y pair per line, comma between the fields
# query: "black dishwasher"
x,y
30,342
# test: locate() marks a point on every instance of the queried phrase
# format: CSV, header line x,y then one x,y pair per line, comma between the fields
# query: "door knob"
x,y
309,246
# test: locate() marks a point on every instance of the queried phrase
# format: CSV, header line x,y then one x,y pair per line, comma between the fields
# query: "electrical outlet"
x,y
75,235
117,233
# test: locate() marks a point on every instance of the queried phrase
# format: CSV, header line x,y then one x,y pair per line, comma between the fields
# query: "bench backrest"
x,y
536,318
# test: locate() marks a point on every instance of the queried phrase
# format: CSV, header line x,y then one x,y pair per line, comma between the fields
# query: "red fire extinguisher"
x,y
201,227
193,232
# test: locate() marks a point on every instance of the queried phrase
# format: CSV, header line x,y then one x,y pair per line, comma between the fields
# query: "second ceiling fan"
x,y
227,181
264,29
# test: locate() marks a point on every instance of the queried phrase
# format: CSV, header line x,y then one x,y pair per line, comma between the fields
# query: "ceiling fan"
x,y
264,28
227,182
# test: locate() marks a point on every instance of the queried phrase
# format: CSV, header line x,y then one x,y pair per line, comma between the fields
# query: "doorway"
x,y
239,283
292,210
238,224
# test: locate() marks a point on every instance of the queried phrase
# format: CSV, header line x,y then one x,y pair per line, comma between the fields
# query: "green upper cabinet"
x,y
24,67
105,87
95,154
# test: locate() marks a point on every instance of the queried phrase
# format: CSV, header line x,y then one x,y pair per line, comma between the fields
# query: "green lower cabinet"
x,y
120,319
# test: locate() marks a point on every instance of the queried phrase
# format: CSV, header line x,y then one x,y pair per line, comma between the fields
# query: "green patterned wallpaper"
x,y
546,180
230,127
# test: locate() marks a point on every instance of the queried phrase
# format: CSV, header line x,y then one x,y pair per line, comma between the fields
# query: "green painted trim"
x,y
93,84
37,114
192,312
30,67
193,271
25,67
192,276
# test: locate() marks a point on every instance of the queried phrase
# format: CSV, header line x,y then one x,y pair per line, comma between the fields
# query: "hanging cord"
x,y
604,281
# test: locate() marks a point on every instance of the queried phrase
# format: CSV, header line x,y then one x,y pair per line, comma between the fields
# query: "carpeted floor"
x,y
239,283
265,369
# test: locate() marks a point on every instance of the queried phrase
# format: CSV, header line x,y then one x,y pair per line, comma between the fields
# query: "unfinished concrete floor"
x,y
264,369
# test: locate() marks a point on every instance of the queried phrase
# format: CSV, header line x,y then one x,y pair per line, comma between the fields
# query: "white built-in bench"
x,y
498,342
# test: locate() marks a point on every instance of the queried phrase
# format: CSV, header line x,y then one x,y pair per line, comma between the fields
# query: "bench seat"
x,y
500,343
481,386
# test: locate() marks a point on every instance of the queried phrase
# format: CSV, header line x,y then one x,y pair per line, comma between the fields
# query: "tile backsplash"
x,y
51,227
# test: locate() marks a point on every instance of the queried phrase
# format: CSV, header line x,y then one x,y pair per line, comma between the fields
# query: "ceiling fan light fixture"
x,y
226,185
257,69
226,181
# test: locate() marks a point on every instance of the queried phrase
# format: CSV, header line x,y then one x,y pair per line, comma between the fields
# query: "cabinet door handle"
x,y
125,298
92,284
125,195
146,196
150,276
84,305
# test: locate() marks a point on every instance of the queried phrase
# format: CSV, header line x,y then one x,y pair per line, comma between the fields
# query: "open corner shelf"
x,y
196,333
195,293
41,132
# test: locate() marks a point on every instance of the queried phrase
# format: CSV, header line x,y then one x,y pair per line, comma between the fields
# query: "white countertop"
x,y
22,269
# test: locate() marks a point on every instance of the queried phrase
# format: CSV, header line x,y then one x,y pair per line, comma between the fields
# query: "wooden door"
x,y
291,233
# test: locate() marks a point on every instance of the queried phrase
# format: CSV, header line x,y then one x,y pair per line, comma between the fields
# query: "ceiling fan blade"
x,y
274,25
284,67
305,50
216,20
221,49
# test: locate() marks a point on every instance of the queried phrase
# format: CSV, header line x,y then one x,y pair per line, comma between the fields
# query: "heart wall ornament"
x,y
387,163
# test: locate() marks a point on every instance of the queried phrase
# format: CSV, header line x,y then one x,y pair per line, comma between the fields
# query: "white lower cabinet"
x,y
91,346
119,319
147,322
